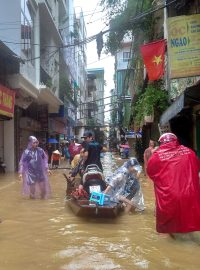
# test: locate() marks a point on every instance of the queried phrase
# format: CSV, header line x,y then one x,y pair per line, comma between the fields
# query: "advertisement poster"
x,y
184,46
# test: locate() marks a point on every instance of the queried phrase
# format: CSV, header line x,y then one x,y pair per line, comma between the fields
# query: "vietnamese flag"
x,y
154,58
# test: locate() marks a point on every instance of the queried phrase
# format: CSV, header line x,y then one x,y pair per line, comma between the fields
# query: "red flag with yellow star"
x,y
154,58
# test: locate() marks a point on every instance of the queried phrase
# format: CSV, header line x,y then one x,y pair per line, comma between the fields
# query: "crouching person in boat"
x,y
124,186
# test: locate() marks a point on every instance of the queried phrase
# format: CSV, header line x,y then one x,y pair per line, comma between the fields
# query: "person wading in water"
x,y
33,170
174,170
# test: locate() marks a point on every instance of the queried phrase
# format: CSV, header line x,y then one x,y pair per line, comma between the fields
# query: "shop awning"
x,y
190,97
12,60
46,96
7,102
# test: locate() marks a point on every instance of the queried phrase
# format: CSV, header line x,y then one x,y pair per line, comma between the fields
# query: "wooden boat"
x,y
85,208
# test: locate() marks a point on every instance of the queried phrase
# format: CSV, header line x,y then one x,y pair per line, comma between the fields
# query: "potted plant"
x,y
151,103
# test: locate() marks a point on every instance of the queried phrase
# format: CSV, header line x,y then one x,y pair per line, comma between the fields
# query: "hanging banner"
x,y
184,46
7,101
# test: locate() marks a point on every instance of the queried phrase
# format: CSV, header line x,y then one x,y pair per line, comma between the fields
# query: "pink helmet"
x,y
167,137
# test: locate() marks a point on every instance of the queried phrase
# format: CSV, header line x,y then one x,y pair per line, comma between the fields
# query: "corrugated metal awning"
x,y
190,97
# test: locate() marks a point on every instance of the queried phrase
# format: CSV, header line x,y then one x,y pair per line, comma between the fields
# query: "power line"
x,y
88,13
94,11
95,20
98,99
102,105
26,43
93,37
100,60
135,19
51,54
97,114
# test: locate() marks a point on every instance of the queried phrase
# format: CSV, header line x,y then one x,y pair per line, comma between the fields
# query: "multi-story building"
x,y
46,83
80,30
96,99
122,59
73,71
90,107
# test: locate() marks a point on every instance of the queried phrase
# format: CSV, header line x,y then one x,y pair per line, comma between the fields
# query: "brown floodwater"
x,y
39,235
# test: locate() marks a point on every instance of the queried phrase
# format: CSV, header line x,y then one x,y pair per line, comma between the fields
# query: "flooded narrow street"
x,y
46,235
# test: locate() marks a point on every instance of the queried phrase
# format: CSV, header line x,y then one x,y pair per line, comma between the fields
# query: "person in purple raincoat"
x,y
33,170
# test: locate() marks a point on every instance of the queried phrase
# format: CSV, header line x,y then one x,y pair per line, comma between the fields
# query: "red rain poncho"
x,y
174,170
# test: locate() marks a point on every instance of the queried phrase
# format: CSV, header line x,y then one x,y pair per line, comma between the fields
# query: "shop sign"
x,y
184,46
7,101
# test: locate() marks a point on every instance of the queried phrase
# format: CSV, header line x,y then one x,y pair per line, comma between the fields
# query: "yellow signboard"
x,y
184,46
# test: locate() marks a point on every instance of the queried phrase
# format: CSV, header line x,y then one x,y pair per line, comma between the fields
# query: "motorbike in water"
x,y
79,201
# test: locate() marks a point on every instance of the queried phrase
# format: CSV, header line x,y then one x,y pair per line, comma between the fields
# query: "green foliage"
x,y
113,7
49,83
65,88
121,22
153,101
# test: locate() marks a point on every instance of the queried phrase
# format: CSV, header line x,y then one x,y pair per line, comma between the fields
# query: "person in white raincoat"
x,y
124,186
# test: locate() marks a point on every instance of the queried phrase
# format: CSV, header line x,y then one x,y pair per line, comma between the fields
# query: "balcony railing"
x,y
91,85
92,106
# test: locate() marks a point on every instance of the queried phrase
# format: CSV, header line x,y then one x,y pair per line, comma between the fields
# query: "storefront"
x,y
57,129
30,121
7,103
184,117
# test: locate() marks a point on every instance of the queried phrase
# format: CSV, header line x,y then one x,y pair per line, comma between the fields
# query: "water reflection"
x,y
46,235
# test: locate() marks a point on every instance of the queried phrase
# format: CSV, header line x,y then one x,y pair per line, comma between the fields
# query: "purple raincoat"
x,y
34,169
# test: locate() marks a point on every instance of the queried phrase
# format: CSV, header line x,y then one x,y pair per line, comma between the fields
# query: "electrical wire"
x,y
26,43
96,20
98,114
93,37
94,11
103,105
70,14
51,54
134,19
103,58
98,99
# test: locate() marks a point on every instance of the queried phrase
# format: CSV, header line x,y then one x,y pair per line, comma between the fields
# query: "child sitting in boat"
x,y
124,186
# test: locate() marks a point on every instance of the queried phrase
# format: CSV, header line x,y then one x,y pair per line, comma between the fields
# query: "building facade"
x,y
182,116
47,83
95,98
123,99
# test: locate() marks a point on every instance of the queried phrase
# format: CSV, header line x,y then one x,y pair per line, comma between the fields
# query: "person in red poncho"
x,y
174,170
